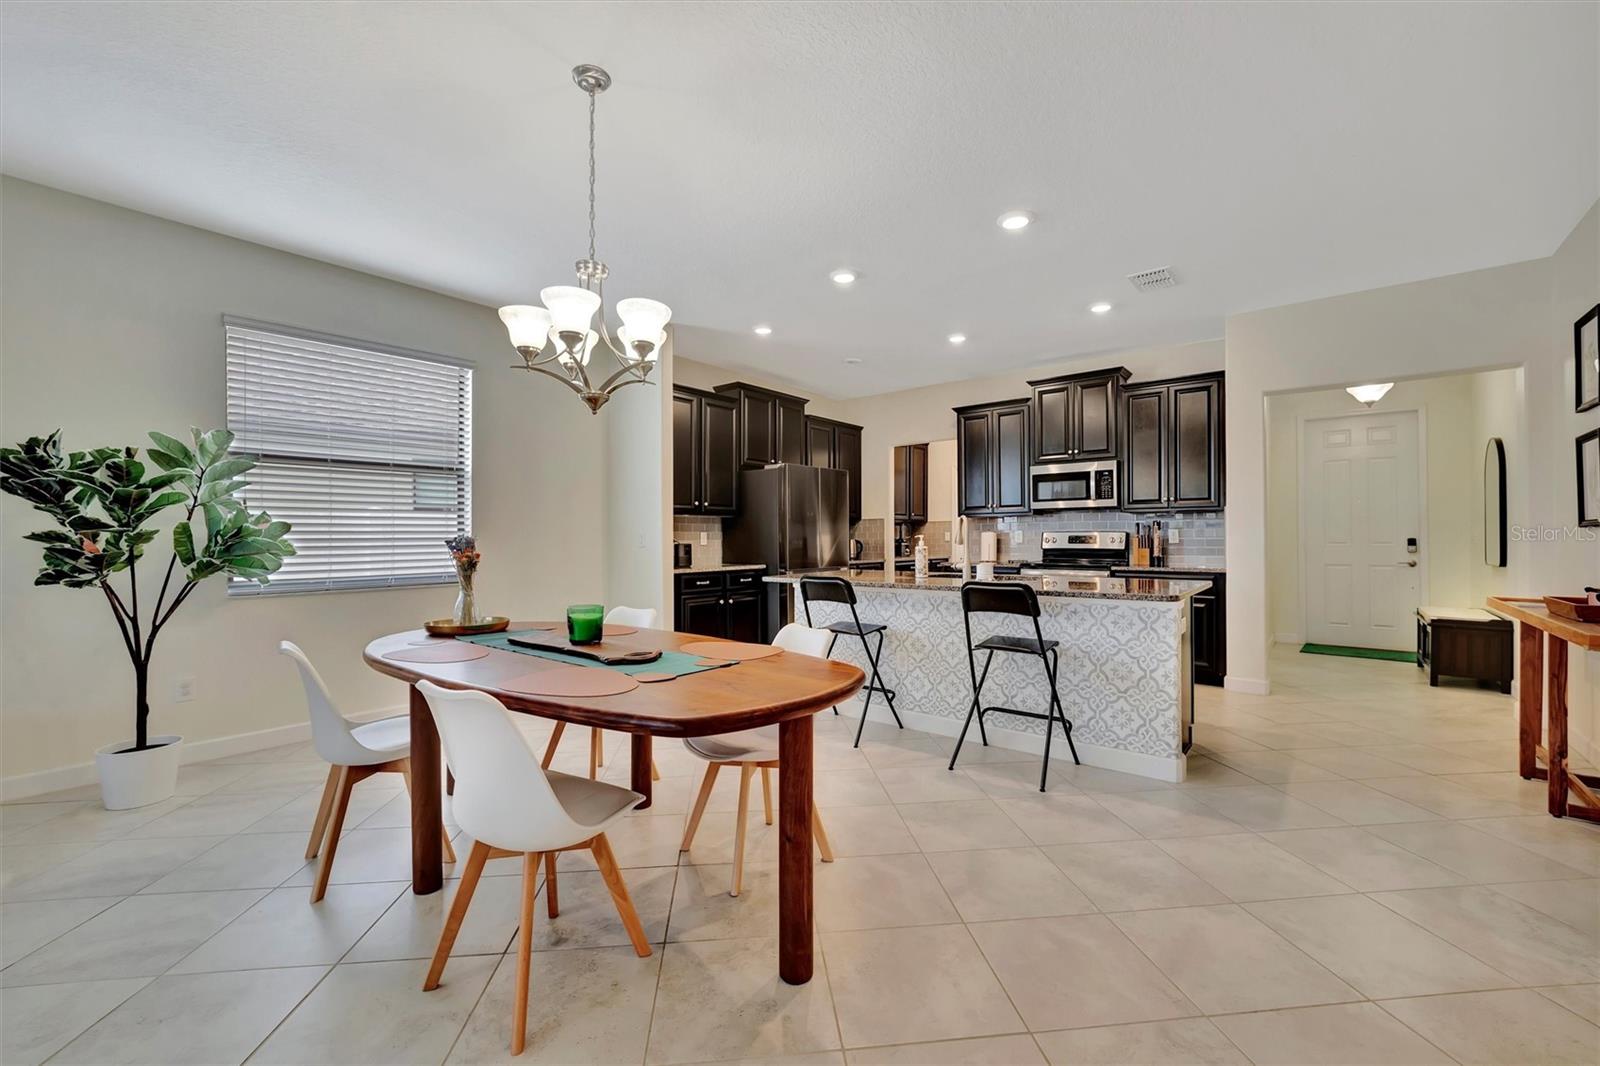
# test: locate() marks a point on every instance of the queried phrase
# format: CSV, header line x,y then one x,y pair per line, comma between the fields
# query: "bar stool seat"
x,y
838,590
1022,644
855,629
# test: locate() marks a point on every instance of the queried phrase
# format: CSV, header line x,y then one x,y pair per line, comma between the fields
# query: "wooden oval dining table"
x,y
785,689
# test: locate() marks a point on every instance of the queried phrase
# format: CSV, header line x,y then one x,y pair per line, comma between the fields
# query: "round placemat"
x,y
729,650
538,625
614,630
572,681
452,651
645,679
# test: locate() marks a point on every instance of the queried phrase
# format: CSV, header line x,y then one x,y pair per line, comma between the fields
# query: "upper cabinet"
x,y
1075,416
1172,450
772,425
705,463
911,483
993,452
837,445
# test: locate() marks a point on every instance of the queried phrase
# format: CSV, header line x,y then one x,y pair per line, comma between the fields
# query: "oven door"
x,y
1067,486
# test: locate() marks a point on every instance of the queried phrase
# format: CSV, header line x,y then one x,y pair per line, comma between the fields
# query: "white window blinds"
x,y
365,449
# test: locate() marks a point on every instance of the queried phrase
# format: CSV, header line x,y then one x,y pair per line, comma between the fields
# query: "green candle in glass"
x,y
585,623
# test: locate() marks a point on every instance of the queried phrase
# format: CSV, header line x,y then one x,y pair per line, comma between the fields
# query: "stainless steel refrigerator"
x,y
790,518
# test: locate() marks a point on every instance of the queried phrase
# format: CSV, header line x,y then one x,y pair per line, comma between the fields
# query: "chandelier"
x,y
559,338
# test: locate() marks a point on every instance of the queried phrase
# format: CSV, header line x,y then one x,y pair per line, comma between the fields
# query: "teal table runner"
x,y
675,663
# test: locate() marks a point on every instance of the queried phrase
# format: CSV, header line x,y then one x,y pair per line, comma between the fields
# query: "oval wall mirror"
x,y
1494,503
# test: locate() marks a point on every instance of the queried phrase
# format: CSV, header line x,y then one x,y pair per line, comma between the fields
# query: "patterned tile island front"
x,y
1124,674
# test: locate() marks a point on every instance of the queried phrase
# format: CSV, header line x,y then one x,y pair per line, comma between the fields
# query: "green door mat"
x,y
1359,653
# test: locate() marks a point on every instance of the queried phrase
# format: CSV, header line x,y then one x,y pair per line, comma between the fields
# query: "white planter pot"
x,y
138,778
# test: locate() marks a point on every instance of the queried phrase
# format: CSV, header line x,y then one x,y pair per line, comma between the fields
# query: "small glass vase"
x,y
466,610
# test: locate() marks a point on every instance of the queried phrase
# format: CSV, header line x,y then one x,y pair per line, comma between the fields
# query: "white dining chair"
x,y
510,806
751,750
354,751
639,618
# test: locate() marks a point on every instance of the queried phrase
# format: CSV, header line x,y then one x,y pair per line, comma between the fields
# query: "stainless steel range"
x,y
1080,553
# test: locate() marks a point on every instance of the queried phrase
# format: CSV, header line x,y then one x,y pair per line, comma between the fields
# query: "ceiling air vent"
x,y
1159,278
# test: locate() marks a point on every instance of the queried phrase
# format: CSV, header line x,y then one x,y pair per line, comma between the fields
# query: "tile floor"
x,y
1351,874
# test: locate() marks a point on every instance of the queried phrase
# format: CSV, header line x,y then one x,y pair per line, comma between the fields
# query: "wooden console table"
x,y
1542,677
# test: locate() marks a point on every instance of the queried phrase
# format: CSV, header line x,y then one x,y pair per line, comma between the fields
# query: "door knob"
x,y
1411,562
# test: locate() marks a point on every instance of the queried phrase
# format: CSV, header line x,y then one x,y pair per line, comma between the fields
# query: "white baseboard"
x,y
1256,686
43,782
1288,638
1128,762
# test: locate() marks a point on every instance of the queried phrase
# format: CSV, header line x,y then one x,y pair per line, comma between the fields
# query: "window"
x,y
365,449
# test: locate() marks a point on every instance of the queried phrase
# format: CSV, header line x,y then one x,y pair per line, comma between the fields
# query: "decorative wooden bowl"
x,y
443,627
1572,608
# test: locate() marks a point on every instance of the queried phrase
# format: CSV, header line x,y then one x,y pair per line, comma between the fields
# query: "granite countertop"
x,y
719,568
1153,589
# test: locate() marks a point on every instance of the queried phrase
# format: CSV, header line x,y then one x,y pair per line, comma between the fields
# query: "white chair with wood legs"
x,y
355,751
751,750
639,618
510,806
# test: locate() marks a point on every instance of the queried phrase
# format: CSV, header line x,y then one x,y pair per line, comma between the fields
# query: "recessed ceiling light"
x,y
853,361
1014,220
763,331
843,277
1100,308
958,338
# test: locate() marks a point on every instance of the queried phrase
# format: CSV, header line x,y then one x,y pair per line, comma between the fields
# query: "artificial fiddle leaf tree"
x,y
106,502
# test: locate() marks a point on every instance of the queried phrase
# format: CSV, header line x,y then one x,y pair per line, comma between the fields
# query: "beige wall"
x,y
112,327
1452,537
1518,315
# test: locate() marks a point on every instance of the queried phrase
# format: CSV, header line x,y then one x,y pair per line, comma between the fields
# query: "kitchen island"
x,y
1125,674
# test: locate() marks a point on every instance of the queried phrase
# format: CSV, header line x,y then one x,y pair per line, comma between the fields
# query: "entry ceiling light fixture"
x,y
1369,394
567,324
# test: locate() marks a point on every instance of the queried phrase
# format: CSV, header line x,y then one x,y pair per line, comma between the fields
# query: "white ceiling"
x,y
1269,153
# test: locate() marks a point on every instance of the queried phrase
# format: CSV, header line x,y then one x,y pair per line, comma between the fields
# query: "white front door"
x,y
1359,499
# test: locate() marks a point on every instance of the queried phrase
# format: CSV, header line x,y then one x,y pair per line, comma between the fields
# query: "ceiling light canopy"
x,y
1014,220
1100,308
958,338
1369,394
565,332
843,276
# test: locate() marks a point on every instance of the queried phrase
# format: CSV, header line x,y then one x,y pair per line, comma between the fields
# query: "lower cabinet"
x,y
725,604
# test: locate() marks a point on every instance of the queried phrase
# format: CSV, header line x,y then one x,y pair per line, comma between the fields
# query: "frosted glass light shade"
x,y
1369,394
644,319
529,326
571,308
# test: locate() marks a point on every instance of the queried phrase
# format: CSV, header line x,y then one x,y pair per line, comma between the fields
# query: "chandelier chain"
x,y
591,175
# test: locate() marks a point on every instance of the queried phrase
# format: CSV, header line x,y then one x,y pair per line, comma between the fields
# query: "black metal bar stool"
x,y
838,590
1014,598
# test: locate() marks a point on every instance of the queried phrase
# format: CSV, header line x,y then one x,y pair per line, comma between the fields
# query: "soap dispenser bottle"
x,y
921,559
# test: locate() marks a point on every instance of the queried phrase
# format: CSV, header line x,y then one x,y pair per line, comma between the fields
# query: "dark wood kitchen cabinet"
x,y
993,453
837,445
705,465
725,604
911,483
1075,416
1172,448
772,425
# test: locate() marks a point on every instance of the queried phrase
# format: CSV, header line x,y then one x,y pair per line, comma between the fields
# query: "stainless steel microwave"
x,y
1066,486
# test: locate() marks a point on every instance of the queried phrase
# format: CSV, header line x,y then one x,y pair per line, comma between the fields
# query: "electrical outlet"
x,y
1173,536
183,690
705,538
947,536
